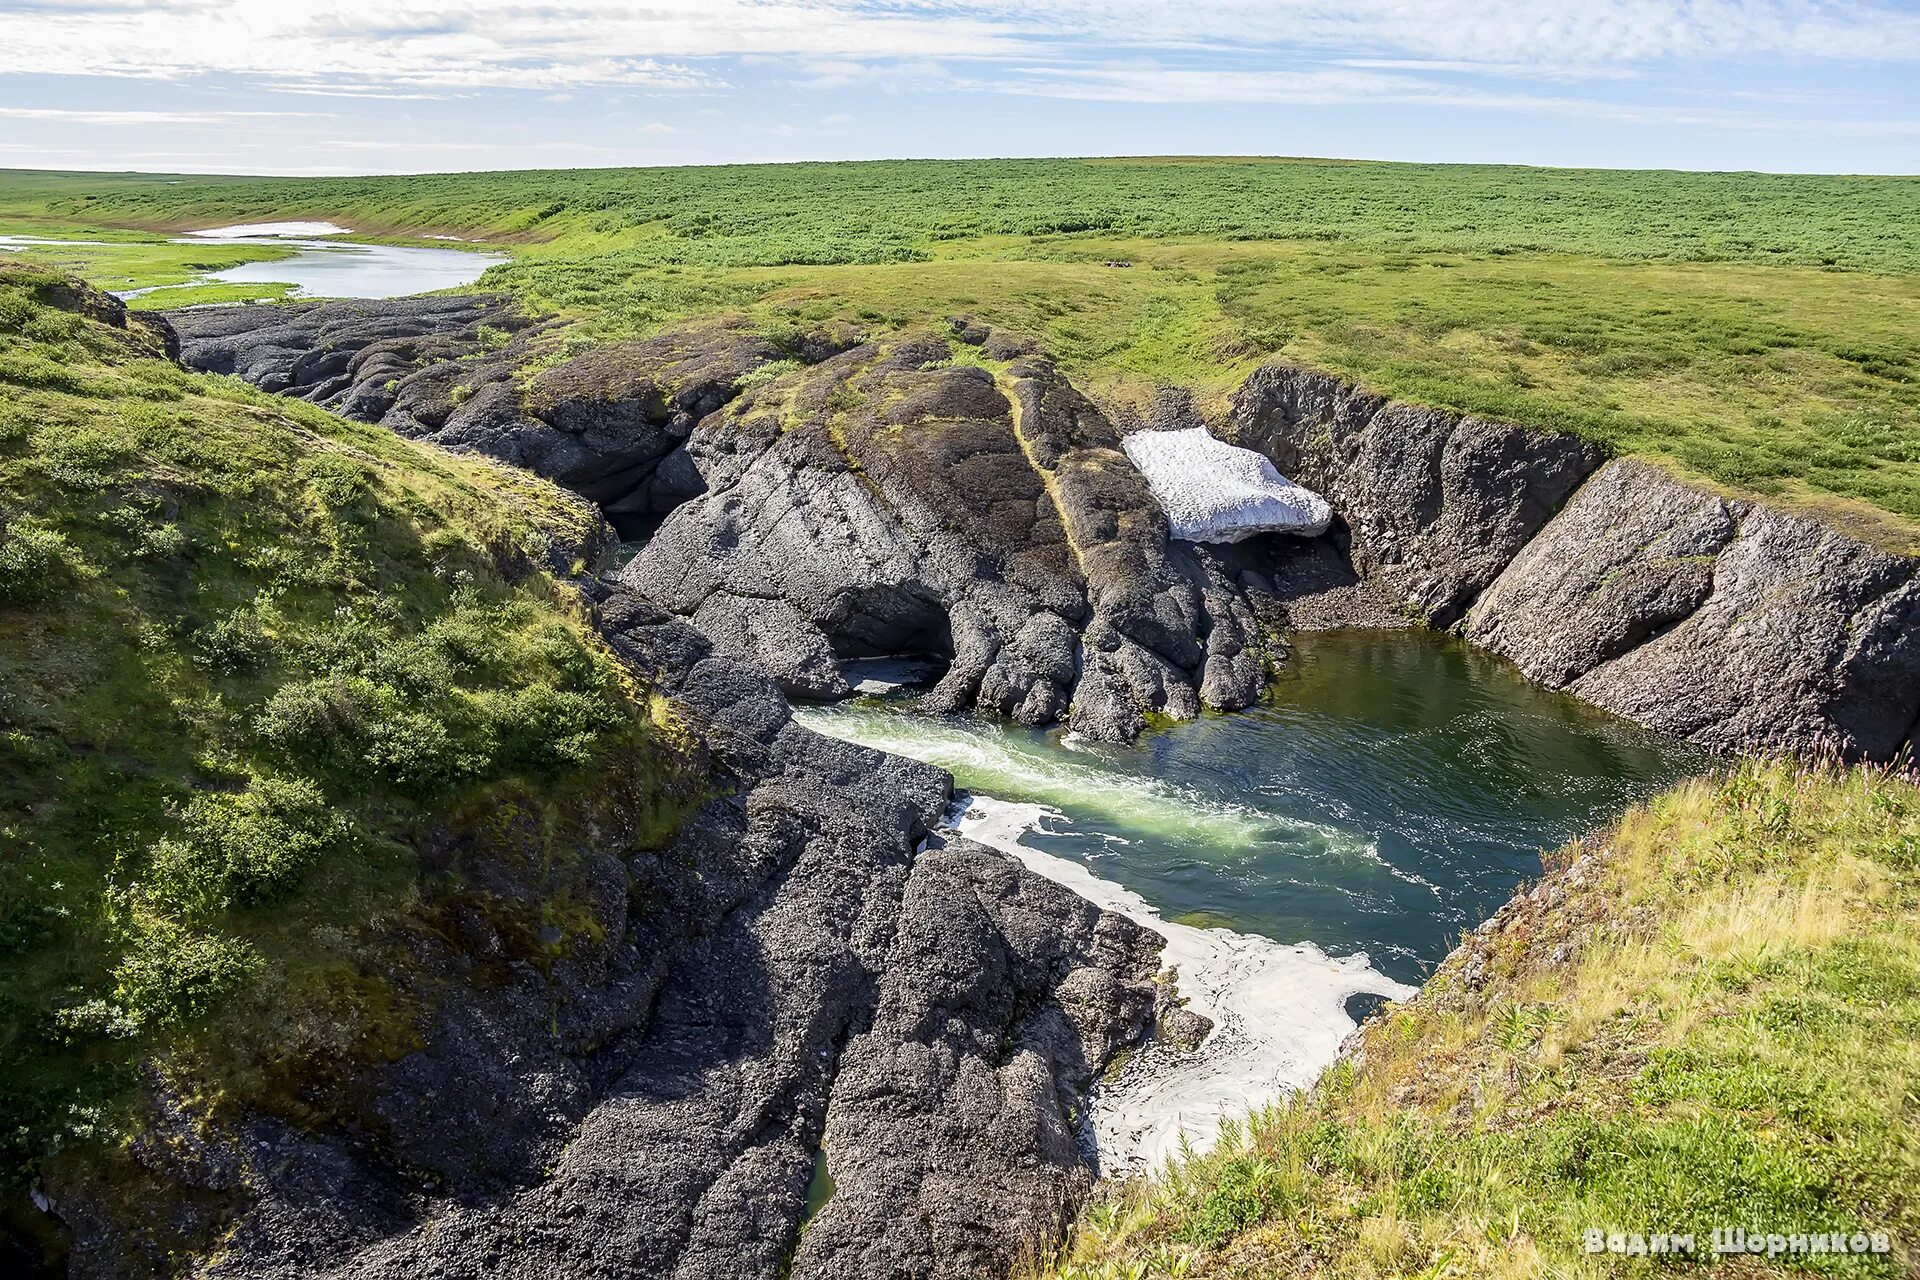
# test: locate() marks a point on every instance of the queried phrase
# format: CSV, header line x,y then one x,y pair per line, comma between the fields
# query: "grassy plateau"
x,y
1761,332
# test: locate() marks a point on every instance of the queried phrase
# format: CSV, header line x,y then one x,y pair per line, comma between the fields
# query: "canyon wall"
x,y
845,496
1724,621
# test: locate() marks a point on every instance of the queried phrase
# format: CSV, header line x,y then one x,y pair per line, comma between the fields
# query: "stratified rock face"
x,y
889,502
1724,622
1214,492
1436,503
831,501
650,1106
464,373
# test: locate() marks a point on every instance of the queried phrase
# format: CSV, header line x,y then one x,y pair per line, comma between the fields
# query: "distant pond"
x,y
322,267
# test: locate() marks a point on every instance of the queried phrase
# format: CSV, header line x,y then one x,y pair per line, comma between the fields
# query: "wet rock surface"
x,y
786,968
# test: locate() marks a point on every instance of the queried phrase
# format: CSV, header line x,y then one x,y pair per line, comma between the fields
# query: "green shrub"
x,y
15,311
171,975
336,481
353,725
1244,1192
541,726
315,717
234,644
34,561
243,850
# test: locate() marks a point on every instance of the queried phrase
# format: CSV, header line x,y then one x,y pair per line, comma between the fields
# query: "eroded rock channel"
x,y
803,973
845,495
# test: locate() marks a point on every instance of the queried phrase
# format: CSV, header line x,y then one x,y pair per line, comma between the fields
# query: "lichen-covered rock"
x,y
1722,621
1214,492
1435,503
888,502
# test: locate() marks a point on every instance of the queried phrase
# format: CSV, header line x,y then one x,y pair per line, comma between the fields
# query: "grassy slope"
x,y
1760,331
1712,1018
250,657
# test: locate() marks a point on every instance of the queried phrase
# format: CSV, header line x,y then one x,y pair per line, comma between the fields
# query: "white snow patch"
x,y
270,231
1215,492
1279,1011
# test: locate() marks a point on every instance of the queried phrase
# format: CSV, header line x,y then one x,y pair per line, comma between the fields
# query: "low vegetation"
x,y
253,660
1755,331
1708,1017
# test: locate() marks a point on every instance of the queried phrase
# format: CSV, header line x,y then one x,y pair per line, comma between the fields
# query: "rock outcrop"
x,y
830,499
650,1103
889,501
1726,622
1435,503
475,373
1721,621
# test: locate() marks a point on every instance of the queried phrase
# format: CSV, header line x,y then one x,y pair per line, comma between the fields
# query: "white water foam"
x,y
1279,1011
986,756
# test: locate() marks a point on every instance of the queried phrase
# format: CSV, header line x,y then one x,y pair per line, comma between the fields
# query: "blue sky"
x,y
361,86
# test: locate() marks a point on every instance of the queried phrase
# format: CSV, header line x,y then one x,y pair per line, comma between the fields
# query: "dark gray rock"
x,y
1000,1002
649,1102
341,354
1731,624
1435,503
476,374
888,502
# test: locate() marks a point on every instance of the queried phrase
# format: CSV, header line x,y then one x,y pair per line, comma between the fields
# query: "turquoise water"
x,y
1393,794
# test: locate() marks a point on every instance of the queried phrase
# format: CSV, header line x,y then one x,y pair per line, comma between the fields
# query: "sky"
x,y
385,86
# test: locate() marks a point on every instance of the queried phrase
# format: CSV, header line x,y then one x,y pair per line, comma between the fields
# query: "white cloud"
x,y
597,58
147,117
346,89
1514,32
555,47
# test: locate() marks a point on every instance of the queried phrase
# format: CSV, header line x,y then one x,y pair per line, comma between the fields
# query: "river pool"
x,y
1330,844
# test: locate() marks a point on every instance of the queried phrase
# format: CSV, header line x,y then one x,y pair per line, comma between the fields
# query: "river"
x,y
320,266
1332,843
